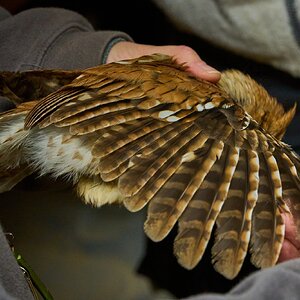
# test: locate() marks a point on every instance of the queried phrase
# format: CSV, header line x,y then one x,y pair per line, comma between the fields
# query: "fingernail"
x,y
208,68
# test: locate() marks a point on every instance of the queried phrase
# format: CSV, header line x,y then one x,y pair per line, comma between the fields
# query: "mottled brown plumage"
x,y
145,131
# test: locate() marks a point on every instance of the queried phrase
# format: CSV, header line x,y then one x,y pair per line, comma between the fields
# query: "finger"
x,y
288,251
182,54
195,65
291,245
291,230
204,71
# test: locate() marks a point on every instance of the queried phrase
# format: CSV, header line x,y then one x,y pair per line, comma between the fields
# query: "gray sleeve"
x,y
12,281
52,38
246,28
278,283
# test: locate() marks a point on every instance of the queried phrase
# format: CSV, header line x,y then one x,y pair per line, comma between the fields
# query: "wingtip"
x,y
154,229
184,250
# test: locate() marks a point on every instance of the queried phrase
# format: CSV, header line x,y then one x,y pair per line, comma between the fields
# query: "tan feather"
x,y
162,215
146,167
268,228
89,114
158,135
234,220
197,221
51,102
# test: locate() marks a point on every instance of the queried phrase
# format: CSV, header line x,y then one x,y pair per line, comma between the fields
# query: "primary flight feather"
x,y
146,132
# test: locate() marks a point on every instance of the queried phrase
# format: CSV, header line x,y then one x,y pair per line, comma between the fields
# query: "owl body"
x,y
146,132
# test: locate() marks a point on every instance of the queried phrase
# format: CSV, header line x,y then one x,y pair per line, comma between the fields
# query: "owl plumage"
x,y
146,132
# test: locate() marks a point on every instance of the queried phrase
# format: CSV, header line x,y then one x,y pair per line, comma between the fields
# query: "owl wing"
x,y
189,151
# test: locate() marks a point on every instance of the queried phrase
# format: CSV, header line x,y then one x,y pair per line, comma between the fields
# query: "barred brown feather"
x,y
197,221
267,230
234,220
145,131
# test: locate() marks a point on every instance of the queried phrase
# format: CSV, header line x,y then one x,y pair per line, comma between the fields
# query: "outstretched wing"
x,y
183,146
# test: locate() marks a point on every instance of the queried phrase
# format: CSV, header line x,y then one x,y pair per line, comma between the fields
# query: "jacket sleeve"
x,y
12,282
277,283
265,31
52,38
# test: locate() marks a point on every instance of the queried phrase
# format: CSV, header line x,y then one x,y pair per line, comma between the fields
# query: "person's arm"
x,y
52,38
55,38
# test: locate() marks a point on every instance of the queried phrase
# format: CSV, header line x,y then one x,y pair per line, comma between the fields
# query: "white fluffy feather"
x,y
49,152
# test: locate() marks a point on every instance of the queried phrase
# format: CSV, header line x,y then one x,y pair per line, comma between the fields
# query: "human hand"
x,y
291,245
182,54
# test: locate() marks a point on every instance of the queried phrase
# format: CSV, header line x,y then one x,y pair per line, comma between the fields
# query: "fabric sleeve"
x,y
12,281
52,38
277,283
265,31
